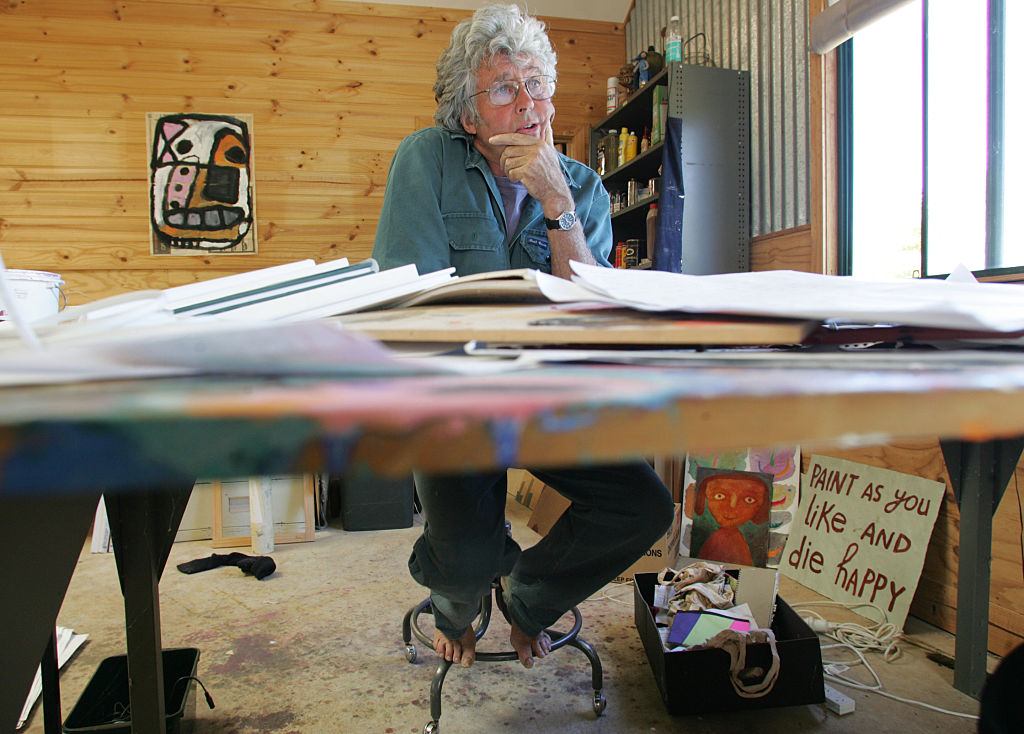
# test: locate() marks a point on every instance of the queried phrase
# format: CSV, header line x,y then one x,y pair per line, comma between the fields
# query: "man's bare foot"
x,y
462,650
526,647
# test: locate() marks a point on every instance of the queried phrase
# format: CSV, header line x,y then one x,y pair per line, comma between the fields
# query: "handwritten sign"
x,y
861,533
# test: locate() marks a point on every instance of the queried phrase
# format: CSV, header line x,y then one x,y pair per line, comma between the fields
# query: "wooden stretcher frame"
x,y
308,512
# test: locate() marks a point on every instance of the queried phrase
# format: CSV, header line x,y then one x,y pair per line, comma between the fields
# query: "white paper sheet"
x,y
68,641
561,290
791,294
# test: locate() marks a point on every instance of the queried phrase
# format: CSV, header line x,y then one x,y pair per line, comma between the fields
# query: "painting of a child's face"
x,y
734,500
731,512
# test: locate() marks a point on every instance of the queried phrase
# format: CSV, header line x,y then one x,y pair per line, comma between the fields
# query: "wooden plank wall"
x,y
333,87
789,249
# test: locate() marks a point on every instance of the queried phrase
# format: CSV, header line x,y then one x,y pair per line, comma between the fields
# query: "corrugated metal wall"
x,y
768,38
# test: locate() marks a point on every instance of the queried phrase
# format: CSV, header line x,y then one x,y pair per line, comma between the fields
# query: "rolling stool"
x,y
410,628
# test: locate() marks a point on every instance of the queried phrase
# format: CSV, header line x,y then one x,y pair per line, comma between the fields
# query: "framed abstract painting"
x,y
201,184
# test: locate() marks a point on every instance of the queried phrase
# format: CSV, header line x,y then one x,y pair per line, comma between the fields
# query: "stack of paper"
x,y
328,289
264,321
949,304
296,291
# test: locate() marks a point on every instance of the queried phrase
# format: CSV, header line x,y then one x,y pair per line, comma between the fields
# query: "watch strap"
x,y
558,224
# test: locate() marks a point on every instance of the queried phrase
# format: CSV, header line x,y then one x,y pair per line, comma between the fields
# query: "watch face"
x,y
566,220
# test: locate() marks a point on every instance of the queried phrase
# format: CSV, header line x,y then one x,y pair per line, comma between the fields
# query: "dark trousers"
x,y
617,513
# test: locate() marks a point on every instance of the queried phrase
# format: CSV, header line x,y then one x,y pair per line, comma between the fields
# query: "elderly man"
x,y
486,190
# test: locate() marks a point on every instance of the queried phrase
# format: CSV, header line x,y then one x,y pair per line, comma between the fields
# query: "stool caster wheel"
x,y
600,702
410,653
431,727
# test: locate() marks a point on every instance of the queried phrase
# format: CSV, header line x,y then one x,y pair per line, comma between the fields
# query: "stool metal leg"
x,y
596,673
411,628
433,726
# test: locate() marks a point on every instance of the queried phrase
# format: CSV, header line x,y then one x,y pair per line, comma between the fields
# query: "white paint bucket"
x,y
36,294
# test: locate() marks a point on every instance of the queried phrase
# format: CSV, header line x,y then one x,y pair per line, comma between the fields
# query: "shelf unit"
x,y
714,107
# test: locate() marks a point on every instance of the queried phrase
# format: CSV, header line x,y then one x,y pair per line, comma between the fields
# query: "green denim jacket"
x,y
442,209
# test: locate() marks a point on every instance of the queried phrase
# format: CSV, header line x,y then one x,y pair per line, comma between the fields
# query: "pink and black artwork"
x,y
201,184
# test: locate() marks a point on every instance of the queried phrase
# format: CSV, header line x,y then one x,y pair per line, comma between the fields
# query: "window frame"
x,y
995,174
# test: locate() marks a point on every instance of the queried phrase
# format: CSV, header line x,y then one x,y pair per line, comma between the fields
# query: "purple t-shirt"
x,y
513,196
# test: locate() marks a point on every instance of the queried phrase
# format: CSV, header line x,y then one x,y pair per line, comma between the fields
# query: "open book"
x,y
500,286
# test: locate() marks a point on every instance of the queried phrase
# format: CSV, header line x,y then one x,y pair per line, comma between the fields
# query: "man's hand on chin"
x,y
533,161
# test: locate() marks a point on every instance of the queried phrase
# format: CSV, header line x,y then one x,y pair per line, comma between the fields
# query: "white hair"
x,y
492,31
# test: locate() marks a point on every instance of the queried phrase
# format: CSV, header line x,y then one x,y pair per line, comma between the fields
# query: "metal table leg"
x,y
979,472
50,678
142,528
44,534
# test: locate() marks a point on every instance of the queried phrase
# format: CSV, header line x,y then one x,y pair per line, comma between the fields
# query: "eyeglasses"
x,y
505,92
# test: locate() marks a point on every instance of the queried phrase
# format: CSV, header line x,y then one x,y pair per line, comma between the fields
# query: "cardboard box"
x,y
523,487
550,506
660,555
697,681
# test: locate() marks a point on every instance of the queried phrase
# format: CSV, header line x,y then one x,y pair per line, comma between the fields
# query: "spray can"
x,y
613,94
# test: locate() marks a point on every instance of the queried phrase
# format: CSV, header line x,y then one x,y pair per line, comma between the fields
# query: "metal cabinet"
x,y
713,106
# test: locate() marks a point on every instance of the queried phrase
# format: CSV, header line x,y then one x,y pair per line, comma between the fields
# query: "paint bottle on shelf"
x,y
652,230
631,253
631,146
623,137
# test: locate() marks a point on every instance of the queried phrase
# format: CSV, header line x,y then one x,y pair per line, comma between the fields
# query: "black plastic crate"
x,y
104,704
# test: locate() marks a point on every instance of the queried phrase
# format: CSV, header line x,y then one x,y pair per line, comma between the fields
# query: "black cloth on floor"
x,y
258,566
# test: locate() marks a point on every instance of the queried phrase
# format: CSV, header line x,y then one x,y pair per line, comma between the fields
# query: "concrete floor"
x,y
316,647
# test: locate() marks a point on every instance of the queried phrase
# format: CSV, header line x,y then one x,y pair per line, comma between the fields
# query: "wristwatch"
x,y
566,220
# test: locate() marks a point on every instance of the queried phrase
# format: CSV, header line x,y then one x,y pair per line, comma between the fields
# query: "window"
x,y
1013,140
920,130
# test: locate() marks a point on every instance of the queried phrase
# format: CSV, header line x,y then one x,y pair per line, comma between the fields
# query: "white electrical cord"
x,y
880,637
625,590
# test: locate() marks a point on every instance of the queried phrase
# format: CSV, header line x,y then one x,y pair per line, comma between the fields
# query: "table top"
x,y
135,433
